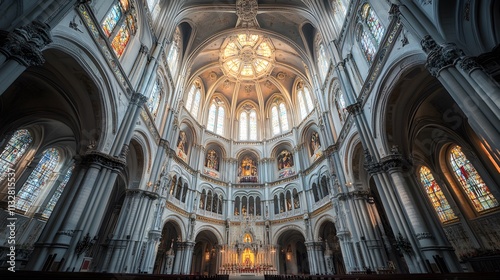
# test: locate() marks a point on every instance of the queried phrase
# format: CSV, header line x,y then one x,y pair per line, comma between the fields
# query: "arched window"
x,y
340,104
154,98
315,192
436,196
248,124
296,200
38,180
219,209
178,189
282,203
237,206
279,117
276,205
244,206
339,13
119,24
202,199
55,197
174,52
251,206
257,206
184,192
14,150
324,187
323,62
304,98
193,99
209,201
172,184
216,115
471,182
370,33
288,201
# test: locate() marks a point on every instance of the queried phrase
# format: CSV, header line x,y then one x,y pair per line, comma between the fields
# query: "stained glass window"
x,y
154,98
55,197
122,15
216,115
472,183
323,62
372,32
14,150
38,180
436,196
367,46
243,126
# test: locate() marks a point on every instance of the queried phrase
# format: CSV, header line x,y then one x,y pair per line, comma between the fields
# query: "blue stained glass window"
x,y
375,26
55,197
111,19
38,180
279,117
14,150
367,45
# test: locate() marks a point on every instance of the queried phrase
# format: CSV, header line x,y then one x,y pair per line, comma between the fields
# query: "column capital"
x,y
25,43
105,160
469,64
395,162
439,57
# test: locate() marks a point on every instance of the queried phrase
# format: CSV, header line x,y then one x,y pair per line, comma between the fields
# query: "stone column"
x,y
440,63
22,48
74,231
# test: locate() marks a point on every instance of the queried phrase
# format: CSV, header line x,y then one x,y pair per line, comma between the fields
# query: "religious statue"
x,y
285,160
212,160
182,146
247,171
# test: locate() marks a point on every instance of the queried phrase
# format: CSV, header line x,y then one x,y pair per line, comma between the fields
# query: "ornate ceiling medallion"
x,y
247,56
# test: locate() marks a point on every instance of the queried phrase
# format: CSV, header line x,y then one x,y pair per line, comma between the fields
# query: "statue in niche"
x,y
182,146
315,145
247,171
212,160
285,160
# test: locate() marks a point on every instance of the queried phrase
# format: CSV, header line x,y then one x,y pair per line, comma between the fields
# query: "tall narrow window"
x,y
339,13
174,52
38,180
304,100
248,123
340,104
216,116
243,126
153,103
471,182
14,150
119,24
279,117
436,196
193,99
371,32
55,197
322,61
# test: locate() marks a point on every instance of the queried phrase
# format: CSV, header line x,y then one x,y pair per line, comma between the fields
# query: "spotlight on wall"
x,y
207,255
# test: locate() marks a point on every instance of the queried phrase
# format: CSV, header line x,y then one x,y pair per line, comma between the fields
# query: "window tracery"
x,y
14,150
436,195
119,24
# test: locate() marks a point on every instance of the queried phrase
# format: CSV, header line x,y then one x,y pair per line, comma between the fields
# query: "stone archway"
x,y
292,255
165,256
332,253
205,253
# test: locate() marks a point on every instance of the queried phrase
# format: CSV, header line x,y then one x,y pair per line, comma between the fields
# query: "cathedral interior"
x,y
292,137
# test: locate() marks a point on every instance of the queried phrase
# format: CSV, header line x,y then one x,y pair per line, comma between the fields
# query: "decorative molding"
x,y
105,160
25,43
439,57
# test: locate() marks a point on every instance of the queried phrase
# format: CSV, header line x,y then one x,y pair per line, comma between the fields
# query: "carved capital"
x,y
246,10
440,57
394,162
105,160
469,64
25,44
